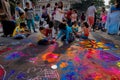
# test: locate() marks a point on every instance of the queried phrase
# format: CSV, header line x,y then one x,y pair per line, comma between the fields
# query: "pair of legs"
x,y
31,23
19,36
80,35
91,20
56,25
8,27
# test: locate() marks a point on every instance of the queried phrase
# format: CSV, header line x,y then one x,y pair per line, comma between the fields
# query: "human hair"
x,y
50,24
71,9
22,25
83,14
103,9
62,26
48,5
92,3
118,3
18,3
27,3
56,4
86,24
75,10
75,22
43,7
21,14
60,5
41,28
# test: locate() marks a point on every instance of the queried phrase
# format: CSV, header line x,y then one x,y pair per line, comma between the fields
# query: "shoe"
x,y
111,34
118,33
35,31
4,36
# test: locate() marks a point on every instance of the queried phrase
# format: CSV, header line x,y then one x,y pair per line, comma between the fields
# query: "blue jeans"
x,y
30,23
43,42
83,36
19,36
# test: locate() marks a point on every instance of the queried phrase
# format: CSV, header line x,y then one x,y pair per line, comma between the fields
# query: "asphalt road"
x,y
23,60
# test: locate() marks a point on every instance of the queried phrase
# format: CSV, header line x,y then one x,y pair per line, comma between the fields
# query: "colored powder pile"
x,y
50,57
63,65
5,50
118,64
98,45
108,56
14,56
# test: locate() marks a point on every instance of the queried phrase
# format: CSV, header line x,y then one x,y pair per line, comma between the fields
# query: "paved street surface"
x,y
95,59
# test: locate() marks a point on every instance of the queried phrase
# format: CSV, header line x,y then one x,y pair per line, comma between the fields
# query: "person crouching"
x,y
65,33
84,34
20,32
42,39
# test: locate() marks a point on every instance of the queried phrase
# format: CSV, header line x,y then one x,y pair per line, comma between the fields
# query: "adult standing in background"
x,y
113,19
48,7
6,8
30,16
45,14
103,17
54,11
91,15
82,17
59,15
18,10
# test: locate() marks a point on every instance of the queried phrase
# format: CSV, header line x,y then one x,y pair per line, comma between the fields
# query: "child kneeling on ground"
x,y
75,27
84,34
21,32
42,39
66,33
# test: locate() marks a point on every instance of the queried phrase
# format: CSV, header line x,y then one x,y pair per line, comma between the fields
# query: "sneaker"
x,y
35,31
4,36
119,33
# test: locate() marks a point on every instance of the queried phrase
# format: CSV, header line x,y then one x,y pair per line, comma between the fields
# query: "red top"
x,y
86,32
69,14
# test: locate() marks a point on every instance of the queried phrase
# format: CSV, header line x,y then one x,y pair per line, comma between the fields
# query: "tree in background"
x,y
84,4
34,1
112,1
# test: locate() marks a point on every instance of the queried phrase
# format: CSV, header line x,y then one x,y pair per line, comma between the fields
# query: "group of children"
x,y
66,33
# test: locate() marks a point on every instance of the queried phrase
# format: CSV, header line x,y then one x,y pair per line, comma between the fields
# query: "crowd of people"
x,y
60,24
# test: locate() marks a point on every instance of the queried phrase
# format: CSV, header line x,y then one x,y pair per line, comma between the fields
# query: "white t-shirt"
x,y
91,11
59,16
